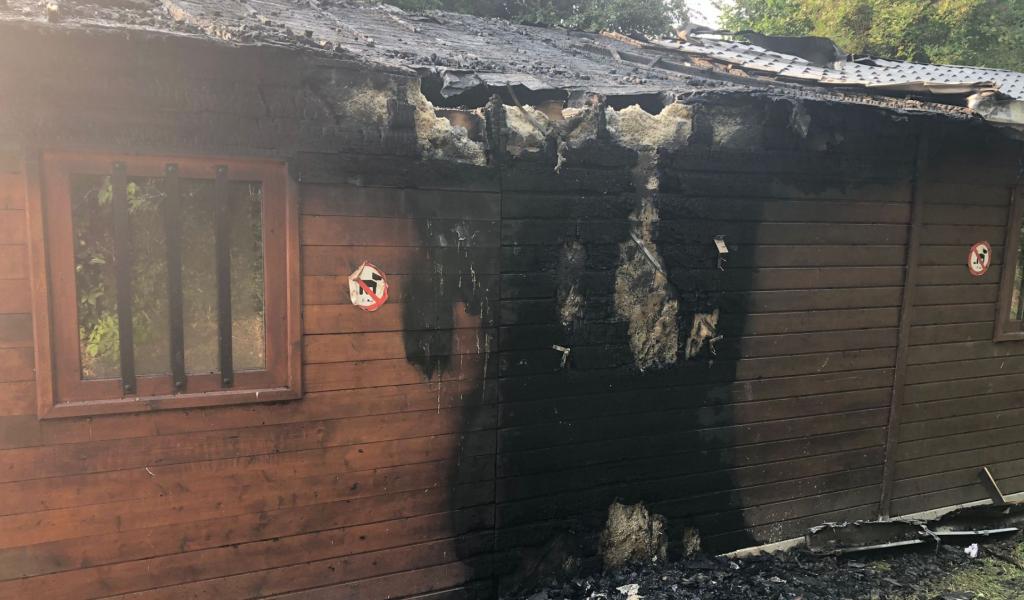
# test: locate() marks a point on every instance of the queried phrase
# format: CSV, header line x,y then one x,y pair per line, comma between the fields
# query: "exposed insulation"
x,y
638,129
644,297
437,138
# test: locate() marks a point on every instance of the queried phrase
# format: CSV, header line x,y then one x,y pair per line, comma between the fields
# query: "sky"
x,y
703,12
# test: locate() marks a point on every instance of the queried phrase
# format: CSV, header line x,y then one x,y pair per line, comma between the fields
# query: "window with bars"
x,y
1010,318
171,282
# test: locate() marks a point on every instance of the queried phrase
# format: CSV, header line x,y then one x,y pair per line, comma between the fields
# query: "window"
x,y
171,283
1010,318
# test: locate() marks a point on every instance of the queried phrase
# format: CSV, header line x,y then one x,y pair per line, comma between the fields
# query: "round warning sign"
x,y
979,259
368,287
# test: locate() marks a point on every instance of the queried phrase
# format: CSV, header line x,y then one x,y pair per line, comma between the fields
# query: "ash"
x,y
925,573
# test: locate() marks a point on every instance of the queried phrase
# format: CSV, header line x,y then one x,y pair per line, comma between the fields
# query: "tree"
x,y
987,33
646,17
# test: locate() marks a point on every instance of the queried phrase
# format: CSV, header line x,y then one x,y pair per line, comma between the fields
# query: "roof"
x,y
463,54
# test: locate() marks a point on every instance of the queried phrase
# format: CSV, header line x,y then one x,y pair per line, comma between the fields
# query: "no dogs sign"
x,y
979,259
368,287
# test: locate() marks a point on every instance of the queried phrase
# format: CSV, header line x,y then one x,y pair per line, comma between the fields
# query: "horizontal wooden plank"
x,y
813,299
236,473
942,334
13,261
764,185
17,398
958,442
545,232
15,296
573,458
936,192
12,191
939,428
955,478
405,203
375,231
16,364
333,289
806,321
252,558
524,259
971,458
526,337
666,468
953,255
963,388
957,351
965,369
956,274
333,318
943,409
178,508
396,344
953,497
671,207
959,214
931,295
319,406
16,330
962,234
556,435
111,455
13,227
570,382
634,404
374,373
960,313
394,260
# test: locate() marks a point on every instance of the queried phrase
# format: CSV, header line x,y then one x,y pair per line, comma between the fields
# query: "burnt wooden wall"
x,y
440,441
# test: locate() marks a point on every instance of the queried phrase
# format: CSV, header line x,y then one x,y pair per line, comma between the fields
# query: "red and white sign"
x,y
368,287
980,258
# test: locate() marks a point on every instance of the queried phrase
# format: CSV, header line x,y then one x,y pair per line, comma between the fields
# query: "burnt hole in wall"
x,y
465,90
650,103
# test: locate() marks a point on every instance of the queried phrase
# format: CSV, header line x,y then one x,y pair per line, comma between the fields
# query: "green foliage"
x,y
648,17
986,33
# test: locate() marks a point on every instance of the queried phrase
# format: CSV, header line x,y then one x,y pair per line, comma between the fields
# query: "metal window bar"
x,y
223,249
175,302
123,274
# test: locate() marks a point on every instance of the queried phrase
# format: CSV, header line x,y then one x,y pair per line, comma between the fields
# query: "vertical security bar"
x,y
175,302
223,248
123,273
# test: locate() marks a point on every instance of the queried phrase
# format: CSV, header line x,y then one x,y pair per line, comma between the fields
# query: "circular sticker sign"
x,y
368,287
979,259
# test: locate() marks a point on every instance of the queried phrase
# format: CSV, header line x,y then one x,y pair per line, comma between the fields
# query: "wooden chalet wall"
x,y
441,441
344,494
964,398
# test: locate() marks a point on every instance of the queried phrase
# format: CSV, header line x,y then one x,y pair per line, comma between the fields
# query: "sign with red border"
x,y
979,259
368,287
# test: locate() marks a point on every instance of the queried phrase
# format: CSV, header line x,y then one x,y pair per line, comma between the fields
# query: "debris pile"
x,y
919,573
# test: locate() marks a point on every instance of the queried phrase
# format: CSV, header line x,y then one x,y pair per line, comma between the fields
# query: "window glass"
x,y
247,329
96,283
95,280
199,275
150,328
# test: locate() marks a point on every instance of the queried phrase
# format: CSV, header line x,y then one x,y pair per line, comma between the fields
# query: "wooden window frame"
x,y
61,392
1007,329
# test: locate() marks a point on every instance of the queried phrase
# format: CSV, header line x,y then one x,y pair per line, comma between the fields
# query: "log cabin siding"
x,y
440,441
962,405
